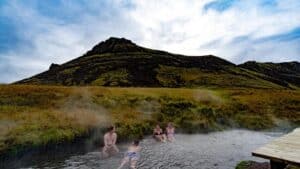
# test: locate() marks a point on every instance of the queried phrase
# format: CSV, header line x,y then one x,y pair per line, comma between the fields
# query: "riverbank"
x,y
38,116
258,165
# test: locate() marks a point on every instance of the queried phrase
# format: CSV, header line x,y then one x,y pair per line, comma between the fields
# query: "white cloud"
x,y
53,41
163,24
176,26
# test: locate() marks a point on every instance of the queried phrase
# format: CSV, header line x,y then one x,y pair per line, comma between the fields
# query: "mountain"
x,y
120,62
285,74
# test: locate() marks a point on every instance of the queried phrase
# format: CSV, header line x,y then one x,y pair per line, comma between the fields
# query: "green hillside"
x,y
285,74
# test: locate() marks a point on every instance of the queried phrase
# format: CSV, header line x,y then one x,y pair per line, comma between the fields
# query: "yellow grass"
x,y
38,115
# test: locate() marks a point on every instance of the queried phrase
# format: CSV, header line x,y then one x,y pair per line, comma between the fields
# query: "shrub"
x,y
243,165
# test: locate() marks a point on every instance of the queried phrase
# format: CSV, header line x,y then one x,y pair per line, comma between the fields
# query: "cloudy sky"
x,y
36,33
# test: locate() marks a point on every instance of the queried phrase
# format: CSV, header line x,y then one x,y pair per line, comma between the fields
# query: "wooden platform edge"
x,y
277,159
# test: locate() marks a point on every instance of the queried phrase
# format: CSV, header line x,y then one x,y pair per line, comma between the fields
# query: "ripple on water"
x,y
219,150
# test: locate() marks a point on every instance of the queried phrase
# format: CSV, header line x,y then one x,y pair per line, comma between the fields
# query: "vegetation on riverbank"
x,y
33,116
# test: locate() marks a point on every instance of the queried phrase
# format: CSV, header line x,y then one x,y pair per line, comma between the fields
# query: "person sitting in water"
x,y
158,134
132,155
170,131
110,139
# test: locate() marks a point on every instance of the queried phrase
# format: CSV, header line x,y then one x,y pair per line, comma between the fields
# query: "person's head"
x,y
111,129
170,124
157,126
136,142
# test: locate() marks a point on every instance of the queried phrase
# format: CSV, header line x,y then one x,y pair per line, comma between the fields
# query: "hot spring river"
x,y
219,150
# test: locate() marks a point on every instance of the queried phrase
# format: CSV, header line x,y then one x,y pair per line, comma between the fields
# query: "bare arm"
x,y
115,138
105,140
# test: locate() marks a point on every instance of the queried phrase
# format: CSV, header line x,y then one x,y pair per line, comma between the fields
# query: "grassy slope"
x,y
39,115
286,73
169,76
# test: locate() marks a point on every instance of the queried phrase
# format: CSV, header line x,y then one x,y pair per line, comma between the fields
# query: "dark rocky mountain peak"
x,y
120,62
54,66
115,45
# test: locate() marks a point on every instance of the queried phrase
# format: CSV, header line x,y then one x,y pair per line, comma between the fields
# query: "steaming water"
x,y
219,150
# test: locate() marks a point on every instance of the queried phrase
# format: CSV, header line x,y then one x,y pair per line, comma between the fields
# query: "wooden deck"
x,y
282,151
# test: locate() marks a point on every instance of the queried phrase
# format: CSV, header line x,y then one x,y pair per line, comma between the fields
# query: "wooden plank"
x,y
285,149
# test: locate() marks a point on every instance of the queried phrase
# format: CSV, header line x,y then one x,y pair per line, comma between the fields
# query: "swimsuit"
x,y
157,134
132,155
171,133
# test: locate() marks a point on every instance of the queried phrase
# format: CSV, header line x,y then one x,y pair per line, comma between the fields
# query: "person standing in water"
x,y
132,155
170,131
110,139
158,134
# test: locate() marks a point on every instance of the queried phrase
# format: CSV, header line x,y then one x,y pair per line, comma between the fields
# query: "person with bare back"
x,y
110,139
170,131
132,155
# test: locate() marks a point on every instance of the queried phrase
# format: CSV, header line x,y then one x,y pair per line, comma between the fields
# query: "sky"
x,y
36,33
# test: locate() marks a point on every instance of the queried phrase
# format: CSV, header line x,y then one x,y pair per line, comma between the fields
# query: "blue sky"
x,y
35,33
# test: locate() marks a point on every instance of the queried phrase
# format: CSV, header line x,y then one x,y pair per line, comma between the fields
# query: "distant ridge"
x,y
120,62
285,73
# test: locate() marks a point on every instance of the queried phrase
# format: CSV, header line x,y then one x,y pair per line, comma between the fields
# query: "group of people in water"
x,y
163,136
132,154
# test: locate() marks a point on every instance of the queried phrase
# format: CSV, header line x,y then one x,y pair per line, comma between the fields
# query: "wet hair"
x,y
136,142
110,128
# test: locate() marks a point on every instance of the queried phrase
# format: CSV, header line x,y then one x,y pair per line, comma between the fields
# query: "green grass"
x,y
112,78
243,165
169,76
33,116
293,167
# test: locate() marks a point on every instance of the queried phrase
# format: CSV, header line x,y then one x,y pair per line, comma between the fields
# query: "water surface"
x,y
218,150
